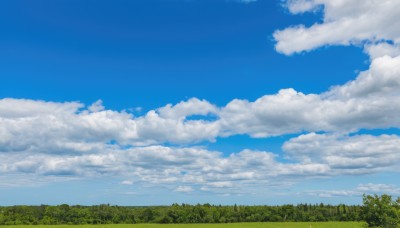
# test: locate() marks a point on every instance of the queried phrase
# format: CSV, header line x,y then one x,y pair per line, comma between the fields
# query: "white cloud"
x,y
344,154
184,189
361,189
30,124
221,184
210,169
185,109
380,82
159,165
333,193
96,106
269,115
67,140
345,22
127,182
381,49
301,6
248,1
57,140
75,145
378,189
171,123
363,103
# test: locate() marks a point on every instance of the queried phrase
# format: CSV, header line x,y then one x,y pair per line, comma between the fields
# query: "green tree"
x,y
380,211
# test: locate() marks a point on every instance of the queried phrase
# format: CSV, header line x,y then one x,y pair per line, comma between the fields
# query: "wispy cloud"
x,y
184,189
361,189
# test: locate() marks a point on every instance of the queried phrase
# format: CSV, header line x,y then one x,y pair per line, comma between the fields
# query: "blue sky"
x,y
195,101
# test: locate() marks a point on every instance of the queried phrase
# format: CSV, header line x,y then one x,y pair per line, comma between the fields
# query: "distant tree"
x,y
147,215
184,213
380,211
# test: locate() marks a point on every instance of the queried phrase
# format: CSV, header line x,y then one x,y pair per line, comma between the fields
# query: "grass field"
x,y
225,225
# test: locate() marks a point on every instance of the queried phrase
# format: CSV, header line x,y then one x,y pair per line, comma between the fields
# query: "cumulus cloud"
x,y
30,124
346,154
210,169
310,156
72,140
364,103
159,165
381,49
345,23
67,139
171,123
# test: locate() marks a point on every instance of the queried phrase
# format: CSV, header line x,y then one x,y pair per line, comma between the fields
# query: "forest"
x,y
376,210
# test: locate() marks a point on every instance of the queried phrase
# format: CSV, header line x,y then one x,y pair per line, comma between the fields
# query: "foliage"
x,y
377,211
381,211
184,213
225,225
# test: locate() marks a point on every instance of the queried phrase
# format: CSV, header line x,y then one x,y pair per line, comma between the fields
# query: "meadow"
x,y
224,225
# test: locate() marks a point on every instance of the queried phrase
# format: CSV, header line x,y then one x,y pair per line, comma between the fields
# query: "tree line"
x,y
183,213
376,210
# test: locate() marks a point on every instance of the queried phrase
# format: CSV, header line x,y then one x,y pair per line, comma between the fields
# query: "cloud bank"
x,y
71,139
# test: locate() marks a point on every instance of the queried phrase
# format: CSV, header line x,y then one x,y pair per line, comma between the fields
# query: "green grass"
x,y
225,225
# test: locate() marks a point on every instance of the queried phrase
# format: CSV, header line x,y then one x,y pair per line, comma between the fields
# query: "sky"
x,y
154,102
